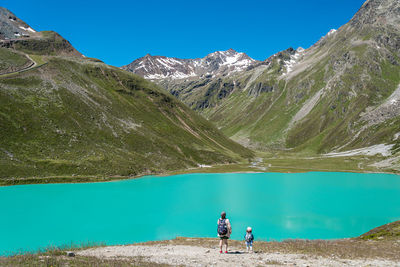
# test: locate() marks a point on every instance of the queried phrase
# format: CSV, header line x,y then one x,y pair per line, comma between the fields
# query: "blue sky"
x,y
118,31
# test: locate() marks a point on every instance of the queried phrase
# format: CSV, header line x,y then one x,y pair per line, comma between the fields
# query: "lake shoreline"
x,y
217,168
194,251
378,247
184,251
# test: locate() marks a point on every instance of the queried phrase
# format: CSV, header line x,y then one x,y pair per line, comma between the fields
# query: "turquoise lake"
x,y
315,205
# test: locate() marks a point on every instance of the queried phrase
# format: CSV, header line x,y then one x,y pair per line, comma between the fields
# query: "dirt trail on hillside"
x,y
31,64
186,255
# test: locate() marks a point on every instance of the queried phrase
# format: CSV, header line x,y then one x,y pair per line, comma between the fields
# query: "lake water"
x,y
316,205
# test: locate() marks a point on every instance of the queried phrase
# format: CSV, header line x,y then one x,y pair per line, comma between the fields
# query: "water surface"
x,y
316,205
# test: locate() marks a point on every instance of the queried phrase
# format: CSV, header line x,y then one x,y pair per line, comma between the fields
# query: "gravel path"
x,y
200,256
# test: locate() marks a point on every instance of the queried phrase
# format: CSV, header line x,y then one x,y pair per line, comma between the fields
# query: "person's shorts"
x,y
249,243
224,237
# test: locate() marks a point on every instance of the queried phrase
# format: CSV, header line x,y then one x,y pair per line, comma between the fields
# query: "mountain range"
x,y
220,63
65,115
342,93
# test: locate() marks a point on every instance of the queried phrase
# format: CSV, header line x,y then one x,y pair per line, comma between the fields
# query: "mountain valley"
x,y
66,115
340,94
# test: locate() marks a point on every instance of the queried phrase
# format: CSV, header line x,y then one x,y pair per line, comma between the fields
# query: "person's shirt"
x,y
248,237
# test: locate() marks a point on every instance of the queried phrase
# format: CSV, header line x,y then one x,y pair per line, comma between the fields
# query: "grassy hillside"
x,y
390,231
340,94
11,61
78,117
43,43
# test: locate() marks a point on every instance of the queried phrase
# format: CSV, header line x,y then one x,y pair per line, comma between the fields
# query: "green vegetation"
x,y
296,163
86,121
76,119
270,162
11,61
51,43
390,231
335,93
92,59
40,60
60,179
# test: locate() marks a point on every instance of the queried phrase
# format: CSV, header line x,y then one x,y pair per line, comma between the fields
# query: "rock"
x,y
70,254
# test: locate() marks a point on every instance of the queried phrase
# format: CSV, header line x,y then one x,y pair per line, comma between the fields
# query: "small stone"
x,y
70,254
208,251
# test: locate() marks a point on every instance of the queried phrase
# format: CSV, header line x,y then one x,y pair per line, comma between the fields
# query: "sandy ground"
x,y
200,256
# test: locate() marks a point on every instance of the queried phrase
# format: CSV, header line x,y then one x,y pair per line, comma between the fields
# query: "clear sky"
x,y
118,31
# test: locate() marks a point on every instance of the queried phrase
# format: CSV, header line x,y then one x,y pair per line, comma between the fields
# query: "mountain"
x,y
342,93
12,27
16,34
64,115
220,63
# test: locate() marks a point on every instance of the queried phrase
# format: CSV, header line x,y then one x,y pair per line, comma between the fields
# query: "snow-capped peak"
x,y
331,32
214,64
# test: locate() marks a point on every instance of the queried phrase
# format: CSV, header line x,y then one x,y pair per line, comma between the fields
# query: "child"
x,y
248,237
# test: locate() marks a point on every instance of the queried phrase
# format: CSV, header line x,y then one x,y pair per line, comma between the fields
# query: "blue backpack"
x,y
222,227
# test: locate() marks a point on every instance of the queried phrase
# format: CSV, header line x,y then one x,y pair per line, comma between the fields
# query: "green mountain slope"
x,y
340,94
71,115
11,61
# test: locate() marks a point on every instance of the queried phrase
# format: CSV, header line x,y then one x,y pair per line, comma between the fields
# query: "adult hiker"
x,y
224,231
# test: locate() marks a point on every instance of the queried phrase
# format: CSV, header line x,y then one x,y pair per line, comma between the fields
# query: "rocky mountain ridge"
x,y
17,35
219,63
72,118
11,27
339,94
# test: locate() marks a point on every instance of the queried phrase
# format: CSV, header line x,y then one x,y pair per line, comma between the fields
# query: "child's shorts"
x,y
249,243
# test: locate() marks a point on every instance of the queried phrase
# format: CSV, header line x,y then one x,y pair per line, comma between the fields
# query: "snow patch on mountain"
x,y
172,75
293,60
29,29
164,63
331,32
214,64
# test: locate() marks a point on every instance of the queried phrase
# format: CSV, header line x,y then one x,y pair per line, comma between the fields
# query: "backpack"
x,y
222,227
